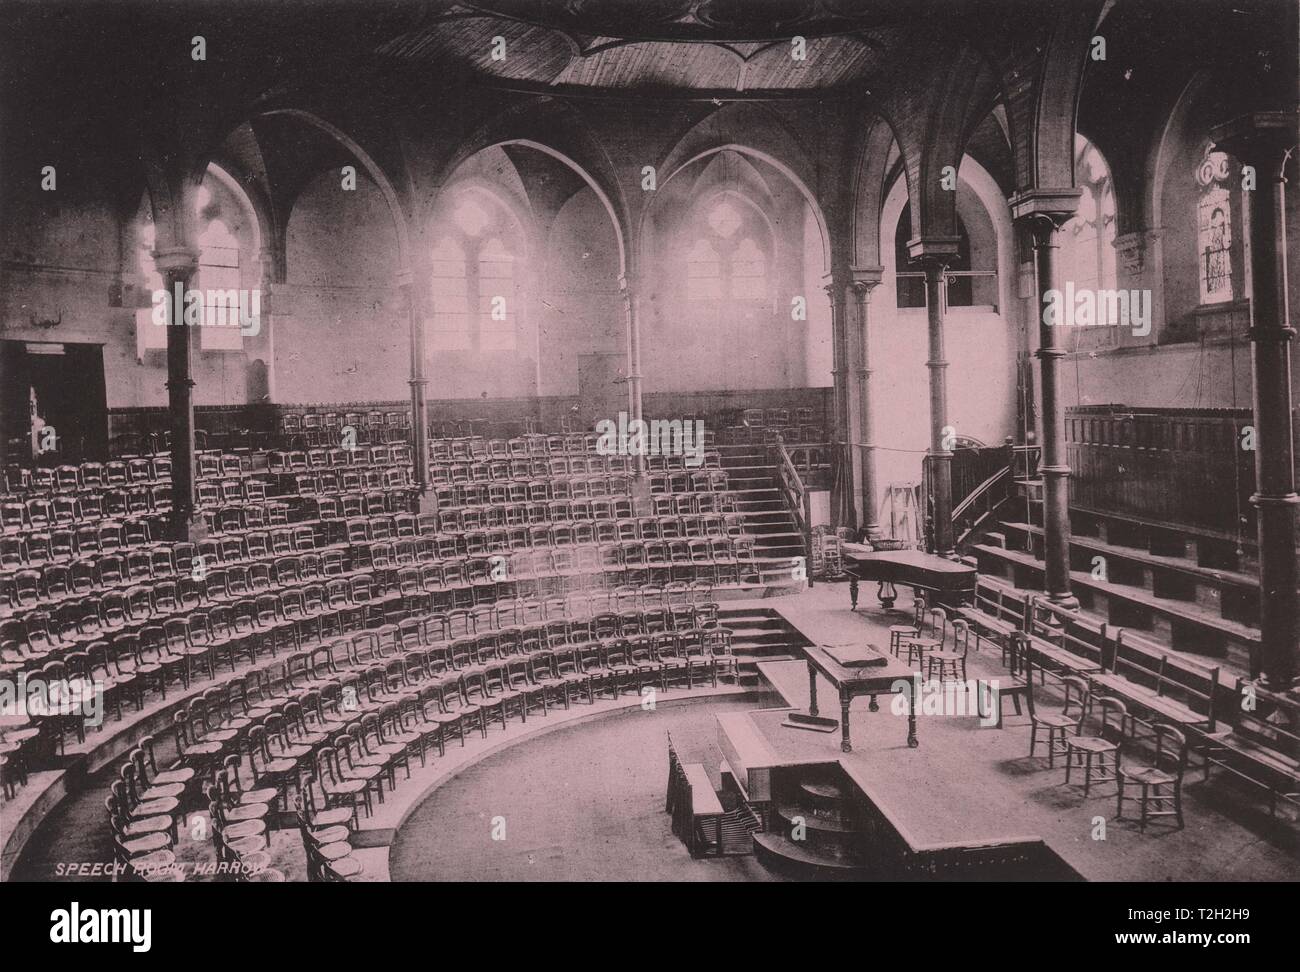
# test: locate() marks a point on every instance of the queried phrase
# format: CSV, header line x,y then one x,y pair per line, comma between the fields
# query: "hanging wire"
x,y
1236,437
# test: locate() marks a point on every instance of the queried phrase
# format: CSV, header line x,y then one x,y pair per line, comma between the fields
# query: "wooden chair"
x,y
1102,748
900,632
1161,784
918,645
945,663
1056,724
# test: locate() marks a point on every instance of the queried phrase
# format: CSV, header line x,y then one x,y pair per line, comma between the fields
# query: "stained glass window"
x,y
1214,228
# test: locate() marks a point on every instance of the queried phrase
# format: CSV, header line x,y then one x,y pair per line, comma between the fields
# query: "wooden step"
x,y
796,860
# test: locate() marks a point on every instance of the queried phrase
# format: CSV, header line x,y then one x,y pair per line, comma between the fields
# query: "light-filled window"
x,y
1087,255
726,260
496,294
703,272
475,285
228,273
218,280
451,322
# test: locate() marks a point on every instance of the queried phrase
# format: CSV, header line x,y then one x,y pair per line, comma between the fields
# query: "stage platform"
x,y
972,783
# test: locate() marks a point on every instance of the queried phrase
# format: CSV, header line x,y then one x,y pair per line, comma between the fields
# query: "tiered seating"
x,y
382,688
1191,588
537,581
314,426
758,425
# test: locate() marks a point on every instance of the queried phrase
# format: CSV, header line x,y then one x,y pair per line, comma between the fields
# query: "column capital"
x,y
839,278
865,280
1051,206
933,251
1262,138
176,259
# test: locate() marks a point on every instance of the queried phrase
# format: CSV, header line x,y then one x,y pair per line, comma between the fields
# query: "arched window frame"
x,y
225,262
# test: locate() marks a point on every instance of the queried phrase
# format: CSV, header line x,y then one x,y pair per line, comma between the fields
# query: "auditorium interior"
x,y
682,440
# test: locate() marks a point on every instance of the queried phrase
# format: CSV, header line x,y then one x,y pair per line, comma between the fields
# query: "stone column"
x,y
939,455
1044,211
865,281
413,299
628,290
177,265
836,285
1267,141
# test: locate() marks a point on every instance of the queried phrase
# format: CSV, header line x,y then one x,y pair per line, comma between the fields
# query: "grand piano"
x,y
946,581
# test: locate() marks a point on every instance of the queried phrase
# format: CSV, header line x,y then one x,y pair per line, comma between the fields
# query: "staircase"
x,y
816,834
759,635
764,516
1195,590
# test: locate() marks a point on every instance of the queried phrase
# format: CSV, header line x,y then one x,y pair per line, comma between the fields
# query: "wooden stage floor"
x,y
972,782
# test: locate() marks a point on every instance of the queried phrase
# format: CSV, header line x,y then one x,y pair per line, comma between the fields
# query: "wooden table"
x,y
852,681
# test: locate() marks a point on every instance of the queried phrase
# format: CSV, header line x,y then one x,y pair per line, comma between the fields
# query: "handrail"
x,y
797,498
980,491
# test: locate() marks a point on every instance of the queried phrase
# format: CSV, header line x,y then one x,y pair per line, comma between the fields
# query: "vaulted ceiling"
x,y
705,45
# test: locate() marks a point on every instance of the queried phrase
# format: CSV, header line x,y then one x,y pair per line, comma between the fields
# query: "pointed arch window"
x,y
726,259
228,272
475,278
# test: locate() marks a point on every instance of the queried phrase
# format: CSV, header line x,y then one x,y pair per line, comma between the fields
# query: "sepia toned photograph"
x,y
672,441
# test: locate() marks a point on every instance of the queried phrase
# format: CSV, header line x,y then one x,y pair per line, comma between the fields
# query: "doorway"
x,y
54,403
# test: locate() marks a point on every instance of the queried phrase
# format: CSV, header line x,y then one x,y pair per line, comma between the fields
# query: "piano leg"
x,y
912,741
846,745
853,593
812,690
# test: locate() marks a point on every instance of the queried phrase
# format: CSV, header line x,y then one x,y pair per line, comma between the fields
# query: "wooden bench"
x,y
697,814
1263,753
1064,641
1168,675
988,615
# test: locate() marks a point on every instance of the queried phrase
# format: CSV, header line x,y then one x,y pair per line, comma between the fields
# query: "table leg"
x,y
846,745
812,690
912,741
853,593
875,706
